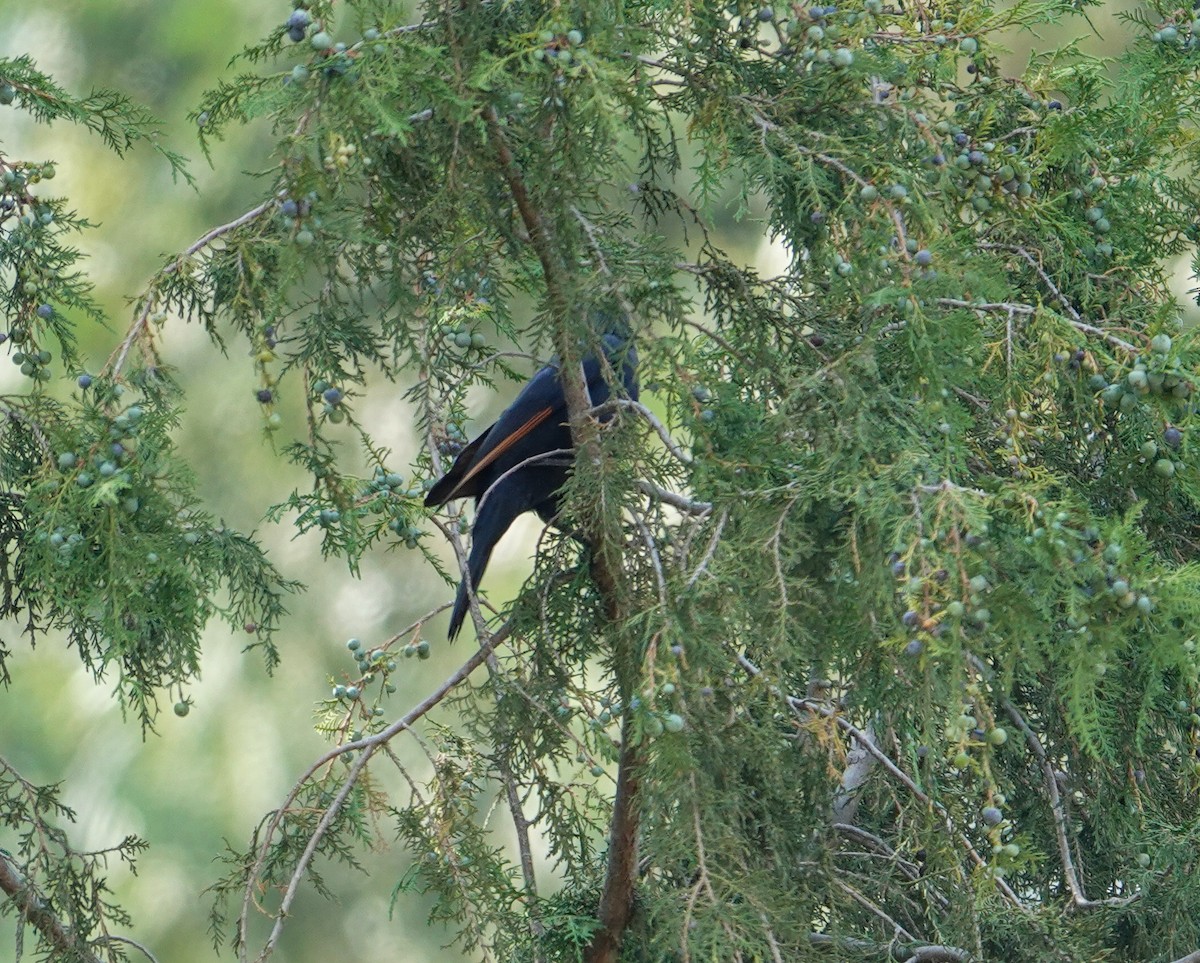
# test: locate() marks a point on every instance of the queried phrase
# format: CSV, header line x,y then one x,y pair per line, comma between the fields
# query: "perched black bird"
x,y
535,424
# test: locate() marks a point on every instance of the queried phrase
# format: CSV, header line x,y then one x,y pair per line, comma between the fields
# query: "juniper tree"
x,y
870,634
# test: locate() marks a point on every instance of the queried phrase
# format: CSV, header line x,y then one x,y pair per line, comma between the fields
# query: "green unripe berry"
x,y
182,709
321,40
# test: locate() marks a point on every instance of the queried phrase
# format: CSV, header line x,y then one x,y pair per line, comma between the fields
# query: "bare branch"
x,y
140,947
874,908
938,954
710,550
1073,316
520,821
675,501
117,360
368,746
659,428
909,869
859,764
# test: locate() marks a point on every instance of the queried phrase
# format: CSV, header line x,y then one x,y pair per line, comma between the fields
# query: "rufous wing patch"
x,y
501,448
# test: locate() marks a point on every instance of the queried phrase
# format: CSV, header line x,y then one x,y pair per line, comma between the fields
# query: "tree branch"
x,y
33,909
1073,316
369,745
117,360
1070,872
799,705
616,900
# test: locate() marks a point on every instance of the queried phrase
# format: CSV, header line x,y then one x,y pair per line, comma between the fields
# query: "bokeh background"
x,y
211,776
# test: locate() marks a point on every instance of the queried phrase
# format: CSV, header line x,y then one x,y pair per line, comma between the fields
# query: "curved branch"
x,y
368,746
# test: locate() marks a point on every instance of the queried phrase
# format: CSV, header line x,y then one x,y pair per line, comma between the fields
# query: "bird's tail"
x,y
492,521
461,604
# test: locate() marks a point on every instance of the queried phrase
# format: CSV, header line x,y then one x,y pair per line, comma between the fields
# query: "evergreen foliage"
x,y
879,610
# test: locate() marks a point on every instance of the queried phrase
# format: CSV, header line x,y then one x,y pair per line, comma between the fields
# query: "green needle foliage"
x,y
879,614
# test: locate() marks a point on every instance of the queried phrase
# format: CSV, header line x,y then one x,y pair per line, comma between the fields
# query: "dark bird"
x,y
520,463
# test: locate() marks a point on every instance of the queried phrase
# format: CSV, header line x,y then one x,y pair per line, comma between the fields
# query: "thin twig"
x,y
1009,307
909,869
117,360
799,705
874,908
140,947
710,549
1074,318
520,821
655,560
681,502
659,428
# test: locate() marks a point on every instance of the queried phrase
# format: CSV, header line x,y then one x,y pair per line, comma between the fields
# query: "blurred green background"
x,y
211,776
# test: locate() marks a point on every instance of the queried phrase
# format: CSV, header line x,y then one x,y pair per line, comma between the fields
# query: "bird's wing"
x,y
489,453
446,486
538,401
